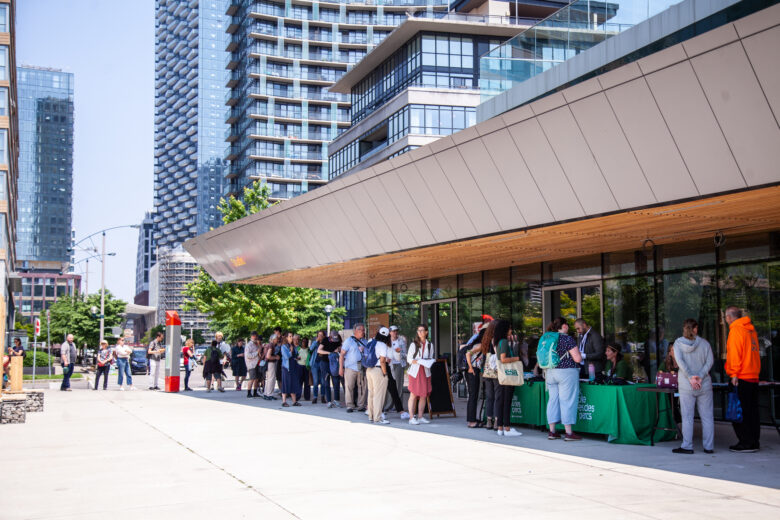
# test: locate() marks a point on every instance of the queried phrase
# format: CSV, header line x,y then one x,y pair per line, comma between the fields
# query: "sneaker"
x,y
362,409
553,436
404,415
221,389
384,421
500,433
209,390
709,452
322,399
151,388
131,388
739,448
121,388
414,421
682,450
249,395
314,401
366,412
156,387
330,405
335,404
423,420
512,433
383,416
572,437
350,410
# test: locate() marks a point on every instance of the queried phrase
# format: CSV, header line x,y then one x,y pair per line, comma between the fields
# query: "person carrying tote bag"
x,y
510,374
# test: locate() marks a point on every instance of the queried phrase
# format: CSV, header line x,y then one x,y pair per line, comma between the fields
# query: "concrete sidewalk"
x,y
196,455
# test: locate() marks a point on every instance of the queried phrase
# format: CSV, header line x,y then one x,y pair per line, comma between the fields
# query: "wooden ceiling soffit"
x,y
736,213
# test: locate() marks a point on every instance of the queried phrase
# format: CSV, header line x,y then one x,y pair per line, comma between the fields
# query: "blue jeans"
x,y
315,379
326,381
123,366
564,387
67,371
187,375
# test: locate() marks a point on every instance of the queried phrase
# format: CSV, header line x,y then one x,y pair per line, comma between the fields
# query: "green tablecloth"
x,y
622,413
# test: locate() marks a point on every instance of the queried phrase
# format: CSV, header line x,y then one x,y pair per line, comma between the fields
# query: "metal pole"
x,y
86,280
48,337
103,291
35,351
328,324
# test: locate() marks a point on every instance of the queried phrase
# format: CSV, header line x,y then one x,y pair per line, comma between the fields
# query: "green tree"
x,y
238,309
29,328
74,316
151,333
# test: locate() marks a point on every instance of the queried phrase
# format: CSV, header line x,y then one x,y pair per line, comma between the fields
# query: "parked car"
x,y
199,352
138,361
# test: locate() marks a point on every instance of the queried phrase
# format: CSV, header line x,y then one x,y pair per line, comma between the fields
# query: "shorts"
x,y
253,373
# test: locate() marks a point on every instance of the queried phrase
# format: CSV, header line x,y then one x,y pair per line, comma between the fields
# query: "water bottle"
x,y
591,372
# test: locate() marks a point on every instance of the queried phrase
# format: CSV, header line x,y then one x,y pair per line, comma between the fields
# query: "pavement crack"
x,y
205,459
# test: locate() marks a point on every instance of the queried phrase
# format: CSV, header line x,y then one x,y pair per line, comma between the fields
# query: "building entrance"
x,y
572,301
440,318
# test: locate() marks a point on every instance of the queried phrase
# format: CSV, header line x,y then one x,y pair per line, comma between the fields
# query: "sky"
x,y
109,46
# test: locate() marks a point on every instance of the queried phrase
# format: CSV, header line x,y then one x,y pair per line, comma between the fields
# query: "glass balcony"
x,y
559,37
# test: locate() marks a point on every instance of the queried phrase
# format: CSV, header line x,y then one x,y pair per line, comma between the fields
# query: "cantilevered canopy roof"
x,y
677,146
404,32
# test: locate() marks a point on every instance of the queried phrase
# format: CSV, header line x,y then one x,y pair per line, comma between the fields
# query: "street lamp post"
x,y
328,310
103,291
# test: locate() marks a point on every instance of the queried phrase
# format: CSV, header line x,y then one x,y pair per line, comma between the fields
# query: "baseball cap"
x,y
384,331
487,317
393,327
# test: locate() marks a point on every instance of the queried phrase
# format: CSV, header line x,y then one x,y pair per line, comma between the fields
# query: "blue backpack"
x,y
547,350
369,359
333,363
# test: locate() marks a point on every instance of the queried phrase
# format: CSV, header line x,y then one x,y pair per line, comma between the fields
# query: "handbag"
x,y
666,380
510,374
734,408
333,363
490,370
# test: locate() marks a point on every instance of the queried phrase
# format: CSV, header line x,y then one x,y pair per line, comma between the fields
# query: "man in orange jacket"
x,y
743,364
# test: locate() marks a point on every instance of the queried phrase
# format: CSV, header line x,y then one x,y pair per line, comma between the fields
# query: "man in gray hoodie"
x,y
694,357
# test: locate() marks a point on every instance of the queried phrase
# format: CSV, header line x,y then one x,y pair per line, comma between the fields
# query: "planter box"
x,y
39,371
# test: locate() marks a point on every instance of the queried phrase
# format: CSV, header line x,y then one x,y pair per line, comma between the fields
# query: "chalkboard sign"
x,y
440,400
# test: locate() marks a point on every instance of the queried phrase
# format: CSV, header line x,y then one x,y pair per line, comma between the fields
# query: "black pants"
x,y
305,382
472,380
503,407
749,430
187,376
491,396
393,389
104,372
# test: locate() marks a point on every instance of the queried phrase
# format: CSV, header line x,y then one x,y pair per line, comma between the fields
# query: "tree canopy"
x,y
74,316
238,309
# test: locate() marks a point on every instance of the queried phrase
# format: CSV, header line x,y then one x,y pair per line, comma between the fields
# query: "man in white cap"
x,y
376,375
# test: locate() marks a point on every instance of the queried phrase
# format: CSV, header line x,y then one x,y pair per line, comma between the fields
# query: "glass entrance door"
x,y
439,316
574,301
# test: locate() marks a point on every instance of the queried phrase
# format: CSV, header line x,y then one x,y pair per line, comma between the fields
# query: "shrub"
x,y
42,359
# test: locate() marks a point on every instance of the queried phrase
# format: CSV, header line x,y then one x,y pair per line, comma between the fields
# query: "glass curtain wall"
x,y
642,297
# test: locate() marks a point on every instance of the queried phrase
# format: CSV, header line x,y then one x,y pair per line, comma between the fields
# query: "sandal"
x,y
296,403
285,405
476,425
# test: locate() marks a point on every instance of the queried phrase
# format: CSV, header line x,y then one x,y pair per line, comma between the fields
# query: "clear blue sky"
x,y
109,46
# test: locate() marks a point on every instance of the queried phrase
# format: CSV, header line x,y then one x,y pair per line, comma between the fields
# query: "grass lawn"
x,y
28,377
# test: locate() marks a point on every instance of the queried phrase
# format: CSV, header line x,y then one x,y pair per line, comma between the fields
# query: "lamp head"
x,y
328,309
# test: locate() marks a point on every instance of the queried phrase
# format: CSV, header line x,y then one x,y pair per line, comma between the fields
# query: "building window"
x,y
4,101
4,26
4,63
3,146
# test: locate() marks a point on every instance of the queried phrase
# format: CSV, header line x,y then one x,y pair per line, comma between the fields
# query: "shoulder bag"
x,y
510,374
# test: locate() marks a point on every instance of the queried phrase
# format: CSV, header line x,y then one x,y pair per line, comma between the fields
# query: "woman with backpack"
x,y
328,358
420,359
506,353
212,367
563,380
376,374
475,359
291,375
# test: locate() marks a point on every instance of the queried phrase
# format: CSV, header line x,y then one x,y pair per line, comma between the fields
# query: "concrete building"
x,y
168,278
284,57
9,167
41,289
44,227
421,82
635,185
189,124
145,259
